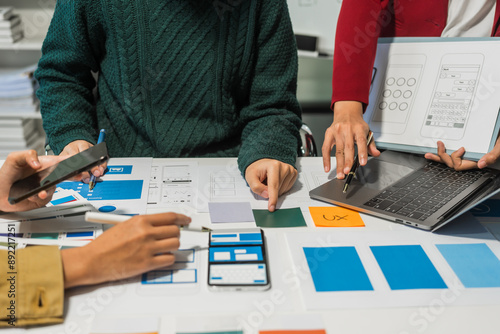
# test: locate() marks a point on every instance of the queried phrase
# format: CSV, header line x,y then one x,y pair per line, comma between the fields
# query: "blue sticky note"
x,y
336,269
475,264
407,267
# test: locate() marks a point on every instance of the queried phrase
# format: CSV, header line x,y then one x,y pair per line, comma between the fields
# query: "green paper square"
x,y
279,218
51,236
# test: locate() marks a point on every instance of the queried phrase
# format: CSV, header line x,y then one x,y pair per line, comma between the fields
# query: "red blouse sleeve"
x,y
361,23
358,29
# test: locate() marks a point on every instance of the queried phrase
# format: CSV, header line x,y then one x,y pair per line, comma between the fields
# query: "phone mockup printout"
x,y
433,89
57,173
238,260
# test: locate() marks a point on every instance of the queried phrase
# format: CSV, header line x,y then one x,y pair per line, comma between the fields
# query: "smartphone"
x,y
237,260
57,173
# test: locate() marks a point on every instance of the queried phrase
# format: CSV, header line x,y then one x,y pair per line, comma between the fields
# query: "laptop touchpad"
x,y
380,174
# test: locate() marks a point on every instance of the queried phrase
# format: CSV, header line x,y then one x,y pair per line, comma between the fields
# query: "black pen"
x,y
355,165
93,179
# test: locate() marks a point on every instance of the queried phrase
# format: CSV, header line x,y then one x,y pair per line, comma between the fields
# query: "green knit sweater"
x,y
176,78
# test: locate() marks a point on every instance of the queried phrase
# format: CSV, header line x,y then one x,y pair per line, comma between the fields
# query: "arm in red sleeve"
x,y
358,29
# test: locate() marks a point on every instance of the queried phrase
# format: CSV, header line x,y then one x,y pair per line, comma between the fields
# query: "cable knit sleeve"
x,y
71,51
272,117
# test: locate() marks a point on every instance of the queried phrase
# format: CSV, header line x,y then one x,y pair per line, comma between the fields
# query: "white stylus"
x,y
109,218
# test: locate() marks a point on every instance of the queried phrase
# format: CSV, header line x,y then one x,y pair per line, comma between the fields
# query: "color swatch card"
x,y
280,218
122,190
335,216
230,212
345,268
475,264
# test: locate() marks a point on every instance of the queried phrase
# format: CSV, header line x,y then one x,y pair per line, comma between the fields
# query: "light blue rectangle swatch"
x,y
337,269
475,264
407,267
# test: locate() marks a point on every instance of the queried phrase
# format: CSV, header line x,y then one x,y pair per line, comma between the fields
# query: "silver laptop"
x,y
411,190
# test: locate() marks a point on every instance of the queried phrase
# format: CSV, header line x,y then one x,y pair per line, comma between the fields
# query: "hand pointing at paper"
x,y
270,178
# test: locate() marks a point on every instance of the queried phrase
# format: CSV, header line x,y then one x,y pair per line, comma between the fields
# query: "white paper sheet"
x,y
382,295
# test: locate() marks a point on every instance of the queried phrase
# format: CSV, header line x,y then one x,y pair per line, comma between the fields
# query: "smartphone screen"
x,y
238,260
57,173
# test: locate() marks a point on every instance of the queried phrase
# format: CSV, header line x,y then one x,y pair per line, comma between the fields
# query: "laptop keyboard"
x,y
425,191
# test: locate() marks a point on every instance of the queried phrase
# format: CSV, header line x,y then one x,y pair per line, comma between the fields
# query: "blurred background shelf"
x,y
35,18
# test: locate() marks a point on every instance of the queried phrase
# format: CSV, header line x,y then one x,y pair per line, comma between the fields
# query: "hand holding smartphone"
x,y
238,260
57,173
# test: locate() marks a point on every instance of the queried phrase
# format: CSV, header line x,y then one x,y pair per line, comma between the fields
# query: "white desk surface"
x,y
124,299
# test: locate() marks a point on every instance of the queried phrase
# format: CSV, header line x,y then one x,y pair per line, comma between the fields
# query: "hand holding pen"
x,y
102,135
113,219
355,165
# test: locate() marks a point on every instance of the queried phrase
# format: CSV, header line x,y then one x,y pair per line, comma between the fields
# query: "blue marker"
x,y
102,135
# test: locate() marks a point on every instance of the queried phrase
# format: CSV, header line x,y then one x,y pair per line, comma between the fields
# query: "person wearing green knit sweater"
x,y
176,78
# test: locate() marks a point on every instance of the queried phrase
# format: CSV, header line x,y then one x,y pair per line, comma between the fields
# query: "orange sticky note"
x,y
335,216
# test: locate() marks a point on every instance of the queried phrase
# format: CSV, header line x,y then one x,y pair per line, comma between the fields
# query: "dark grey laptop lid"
x,y
383,172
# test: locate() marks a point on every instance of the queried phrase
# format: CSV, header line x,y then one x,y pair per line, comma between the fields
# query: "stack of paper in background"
x,y
17,91
11,28
18,134
17,98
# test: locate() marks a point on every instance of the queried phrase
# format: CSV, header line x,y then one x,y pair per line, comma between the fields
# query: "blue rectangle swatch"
x,y
336,269
407,267
107,190
475,264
